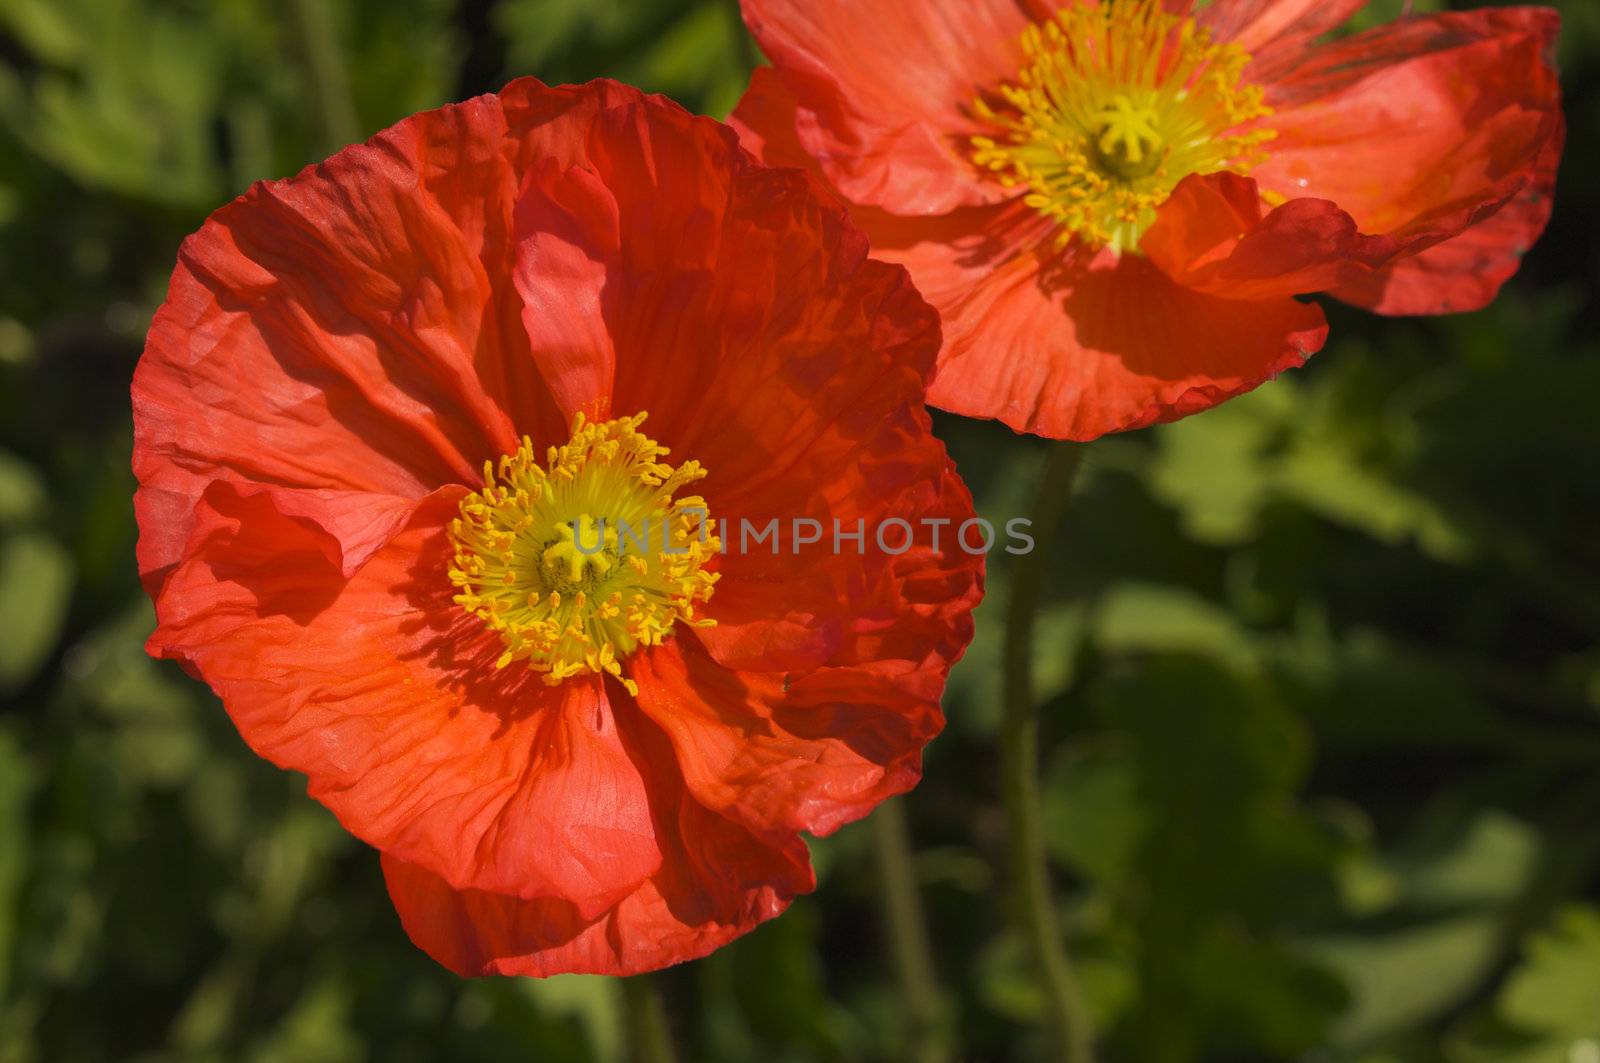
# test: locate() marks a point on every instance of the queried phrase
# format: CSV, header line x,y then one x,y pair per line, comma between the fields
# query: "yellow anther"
x,y
1117,102
538,558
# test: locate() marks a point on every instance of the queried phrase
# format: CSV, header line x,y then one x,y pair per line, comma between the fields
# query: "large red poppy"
x,y
571,761
1114,204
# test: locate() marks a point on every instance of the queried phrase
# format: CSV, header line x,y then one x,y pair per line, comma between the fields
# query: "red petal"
x,y
660,298
1414,132
1465,272
821,753
835,725
385,694
569,240
767,346
465,153
365,302
1074,350
775,611
716,882
765,122
814,410
770,348
1210,236
1275,31
1428,116
884,89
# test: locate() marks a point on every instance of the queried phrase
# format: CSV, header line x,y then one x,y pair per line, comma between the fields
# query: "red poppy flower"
x,y
1114,204
381,409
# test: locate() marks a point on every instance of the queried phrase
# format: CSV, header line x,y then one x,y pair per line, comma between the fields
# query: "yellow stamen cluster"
x,y
1118,102
578,562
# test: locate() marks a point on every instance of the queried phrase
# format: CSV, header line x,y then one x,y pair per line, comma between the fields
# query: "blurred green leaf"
x,y
1557,989
538,30
976,680
1139,617
152,711
126,108
694,51
594,1001
35,592
1328,481
16,340
677,62
1286,442
46,28
1406,977
781,987
317,1030
1008,979
1212,468
22,491
1095,820
1223,853
1493,863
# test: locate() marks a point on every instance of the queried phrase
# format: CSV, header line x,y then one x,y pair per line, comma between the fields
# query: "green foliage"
x,y
1324,687
35,583
1555,991
696,52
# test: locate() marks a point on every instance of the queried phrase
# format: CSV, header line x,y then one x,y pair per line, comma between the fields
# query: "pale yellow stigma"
x,y
580,561
1116,104
1127,140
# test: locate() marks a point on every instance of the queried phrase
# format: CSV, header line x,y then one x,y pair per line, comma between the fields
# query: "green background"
x,y
1323,740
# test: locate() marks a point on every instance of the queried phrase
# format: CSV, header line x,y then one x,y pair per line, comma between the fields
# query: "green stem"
x,y
323,60
1019,768
648,1038
908,933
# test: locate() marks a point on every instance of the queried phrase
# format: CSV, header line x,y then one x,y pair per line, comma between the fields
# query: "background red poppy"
x,y
1385,147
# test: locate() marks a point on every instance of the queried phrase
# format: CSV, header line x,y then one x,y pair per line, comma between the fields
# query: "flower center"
x,y
1127,142
1116,104
581,560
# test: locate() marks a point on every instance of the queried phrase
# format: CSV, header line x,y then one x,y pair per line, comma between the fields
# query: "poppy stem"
x,y
323,60
908,933
646,1018
1019,767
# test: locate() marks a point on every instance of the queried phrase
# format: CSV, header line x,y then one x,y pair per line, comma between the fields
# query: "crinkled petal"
x,y
617,323
885,88
1388,144
764,120
1465,272
716,882
820,683
768,346
1074,349
386,696
1425,116
1211,236
1274,31
569,241
776,752
881,537
345,332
